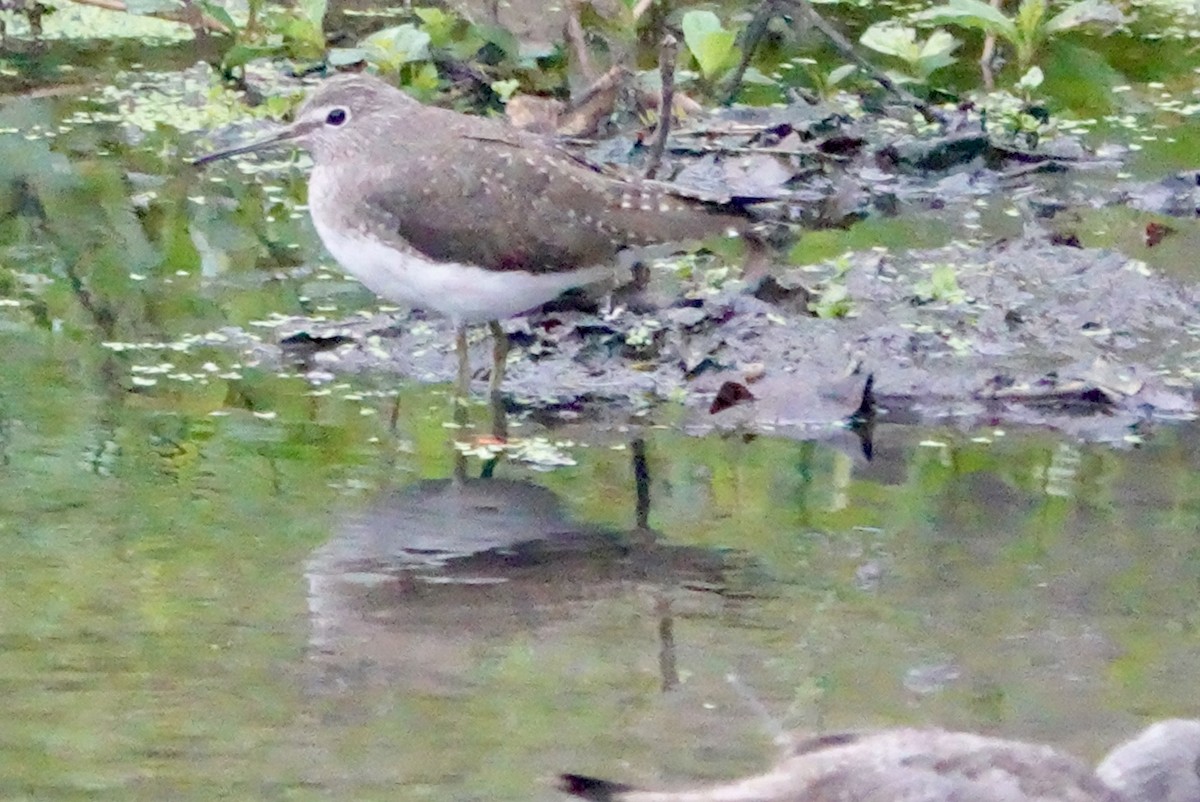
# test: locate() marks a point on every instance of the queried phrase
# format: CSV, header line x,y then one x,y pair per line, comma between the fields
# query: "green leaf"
x,y
834,301
937,52
438,24
277,106
505,89
345,56
467,45
941,286
303,38
425,79
1031,80
1080,78
971,14
901,42
241,54
313,10
939,43
757,77
218,12
500,37
393,47
710,44
984,11
891,39
839,74
1030,15
699,23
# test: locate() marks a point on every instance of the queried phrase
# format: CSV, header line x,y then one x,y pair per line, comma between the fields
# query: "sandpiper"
x,y
465,215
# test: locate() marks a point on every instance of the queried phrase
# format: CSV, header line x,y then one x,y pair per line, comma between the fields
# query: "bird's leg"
x,y
499,357
463,389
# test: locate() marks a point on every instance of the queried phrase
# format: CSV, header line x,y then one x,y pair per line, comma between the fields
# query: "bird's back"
x,y
480,192
902,765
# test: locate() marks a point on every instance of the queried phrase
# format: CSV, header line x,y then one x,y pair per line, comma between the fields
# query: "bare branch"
x,y
667,52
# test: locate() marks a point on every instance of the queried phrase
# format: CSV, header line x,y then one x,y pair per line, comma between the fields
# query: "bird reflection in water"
x,y
413,582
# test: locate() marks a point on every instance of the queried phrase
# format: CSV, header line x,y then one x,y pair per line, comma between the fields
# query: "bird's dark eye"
x,y
336,117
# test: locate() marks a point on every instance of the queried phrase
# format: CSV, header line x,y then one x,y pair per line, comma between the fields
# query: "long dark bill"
x,y
591,789
286,134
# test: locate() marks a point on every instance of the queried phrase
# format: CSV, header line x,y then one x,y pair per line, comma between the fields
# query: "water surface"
x,y
225,579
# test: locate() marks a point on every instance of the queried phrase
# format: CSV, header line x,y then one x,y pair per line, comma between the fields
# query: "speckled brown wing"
x,y
938,766
503,201
631,210
912,784
904,765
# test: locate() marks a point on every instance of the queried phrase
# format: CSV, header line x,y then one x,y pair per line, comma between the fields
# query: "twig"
x,y
989,50
755,30
847,50
667,51
587,112
206,22
577,44
606,82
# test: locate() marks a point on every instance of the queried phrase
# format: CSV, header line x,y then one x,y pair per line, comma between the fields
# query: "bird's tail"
x,y
592,789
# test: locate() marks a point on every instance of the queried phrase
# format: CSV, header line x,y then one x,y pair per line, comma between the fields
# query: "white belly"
x,y
464,293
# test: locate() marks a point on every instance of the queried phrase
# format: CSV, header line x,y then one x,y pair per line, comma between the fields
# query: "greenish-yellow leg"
x,y
464,363
499,357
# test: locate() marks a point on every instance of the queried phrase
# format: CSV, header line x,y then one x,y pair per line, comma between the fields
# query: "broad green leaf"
x,y
438,24
302,37
313,10
939,43
398,45
699,23
985,11
937,52
1080,78
891,40
971,14
1030,16
1032,79
717,53
710,44
901,42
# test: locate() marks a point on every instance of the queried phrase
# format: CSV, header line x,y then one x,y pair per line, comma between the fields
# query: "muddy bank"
x,y
1020,332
